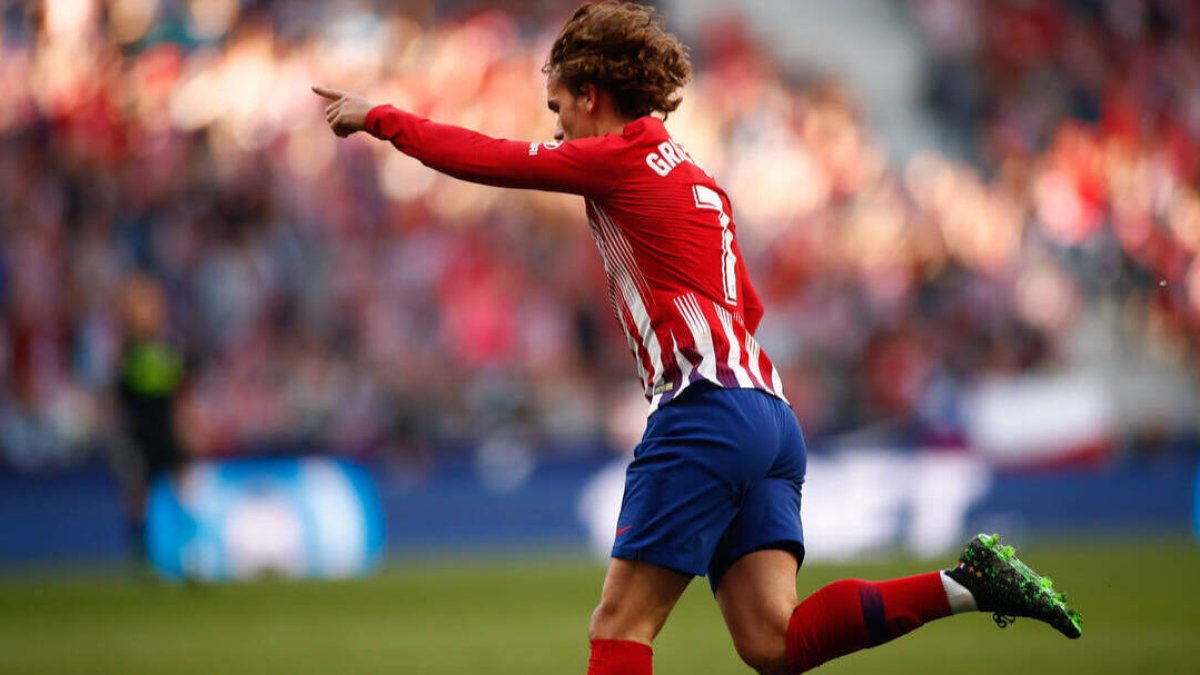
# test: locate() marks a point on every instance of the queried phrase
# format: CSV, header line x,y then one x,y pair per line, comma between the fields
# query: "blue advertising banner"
x,y
326,517
315,517
1196,503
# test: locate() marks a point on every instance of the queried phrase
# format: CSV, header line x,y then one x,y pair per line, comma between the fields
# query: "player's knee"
x,y
599,626
613,621
609,622
762,643
765,654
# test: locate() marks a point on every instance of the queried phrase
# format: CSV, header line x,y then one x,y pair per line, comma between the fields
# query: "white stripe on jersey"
x,y
633,347
776,383
641,319
612,297
701,335
634,305
685,372
624,252
635,291
735,349
614,301
754,353
627,279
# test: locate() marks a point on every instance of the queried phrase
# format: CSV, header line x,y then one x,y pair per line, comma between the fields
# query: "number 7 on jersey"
x,y
707,198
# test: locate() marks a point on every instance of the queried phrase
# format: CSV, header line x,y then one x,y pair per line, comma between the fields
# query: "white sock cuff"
x,y
960,598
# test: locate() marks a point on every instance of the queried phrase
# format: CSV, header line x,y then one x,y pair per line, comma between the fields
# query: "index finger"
x,y
328,92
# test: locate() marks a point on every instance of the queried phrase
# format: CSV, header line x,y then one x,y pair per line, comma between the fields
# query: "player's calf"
x,y
853,614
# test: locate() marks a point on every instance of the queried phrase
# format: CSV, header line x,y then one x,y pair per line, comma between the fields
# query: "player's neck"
x,y
610,122
606,118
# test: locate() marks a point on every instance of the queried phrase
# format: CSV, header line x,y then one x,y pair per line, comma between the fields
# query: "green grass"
x,y
1139,602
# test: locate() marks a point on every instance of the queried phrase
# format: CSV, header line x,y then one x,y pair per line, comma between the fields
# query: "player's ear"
x,y
591,96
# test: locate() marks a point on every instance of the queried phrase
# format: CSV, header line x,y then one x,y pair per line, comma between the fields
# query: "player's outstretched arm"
x,y
347,113
585,166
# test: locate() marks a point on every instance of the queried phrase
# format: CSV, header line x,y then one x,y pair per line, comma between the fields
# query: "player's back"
x,y
676,277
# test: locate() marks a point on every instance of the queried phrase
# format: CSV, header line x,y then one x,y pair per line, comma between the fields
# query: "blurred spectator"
x,y
150,377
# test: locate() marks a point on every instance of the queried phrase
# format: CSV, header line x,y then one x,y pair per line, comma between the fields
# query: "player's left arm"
x,y
752,306
579,167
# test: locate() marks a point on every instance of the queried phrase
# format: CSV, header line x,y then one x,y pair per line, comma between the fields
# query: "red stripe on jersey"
x,y
678,342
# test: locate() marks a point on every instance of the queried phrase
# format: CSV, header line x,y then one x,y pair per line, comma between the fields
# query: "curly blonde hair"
x,y
624,49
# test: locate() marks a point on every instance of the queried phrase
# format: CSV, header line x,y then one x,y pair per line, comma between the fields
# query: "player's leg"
x,y
634,604
754,580
754,568
839,619
853,614
681,492
757,597
754,574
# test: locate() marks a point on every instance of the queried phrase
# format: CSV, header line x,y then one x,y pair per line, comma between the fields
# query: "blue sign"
x,y
1196,503
315,517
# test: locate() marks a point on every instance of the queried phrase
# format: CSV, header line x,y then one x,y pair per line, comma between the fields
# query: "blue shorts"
x,y
716,476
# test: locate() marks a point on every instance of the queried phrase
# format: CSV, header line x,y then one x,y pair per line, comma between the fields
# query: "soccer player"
x,y
151,375
714,486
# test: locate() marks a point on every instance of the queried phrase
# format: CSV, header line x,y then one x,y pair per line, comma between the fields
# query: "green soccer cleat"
x,y
1005,586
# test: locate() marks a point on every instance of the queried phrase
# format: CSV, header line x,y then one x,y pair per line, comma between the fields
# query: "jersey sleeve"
x,y
752,307
586,166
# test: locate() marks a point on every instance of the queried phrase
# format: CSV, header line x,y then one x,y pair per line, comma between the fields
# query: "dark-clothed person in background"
x,y
148,383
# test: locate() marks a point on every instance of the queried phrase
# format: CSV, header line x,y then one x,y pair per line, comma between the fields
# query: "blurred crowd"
x,y
335,296
1087,113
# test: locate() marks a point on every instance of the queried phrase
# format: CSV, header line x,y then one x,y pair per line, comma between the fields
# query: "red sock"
x,y
851,614
620,657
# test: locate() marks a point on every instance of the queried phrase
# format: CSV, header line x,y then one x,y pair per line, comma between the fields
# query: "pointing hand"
x,y
347,113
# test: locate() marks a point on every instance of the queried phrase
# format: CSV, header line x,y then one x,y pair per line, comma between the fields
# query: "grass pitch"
x,y
528,617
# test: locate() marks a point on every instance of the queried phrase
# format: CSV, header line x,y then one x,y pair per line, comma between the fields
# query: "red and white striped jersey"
x,y
677,282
